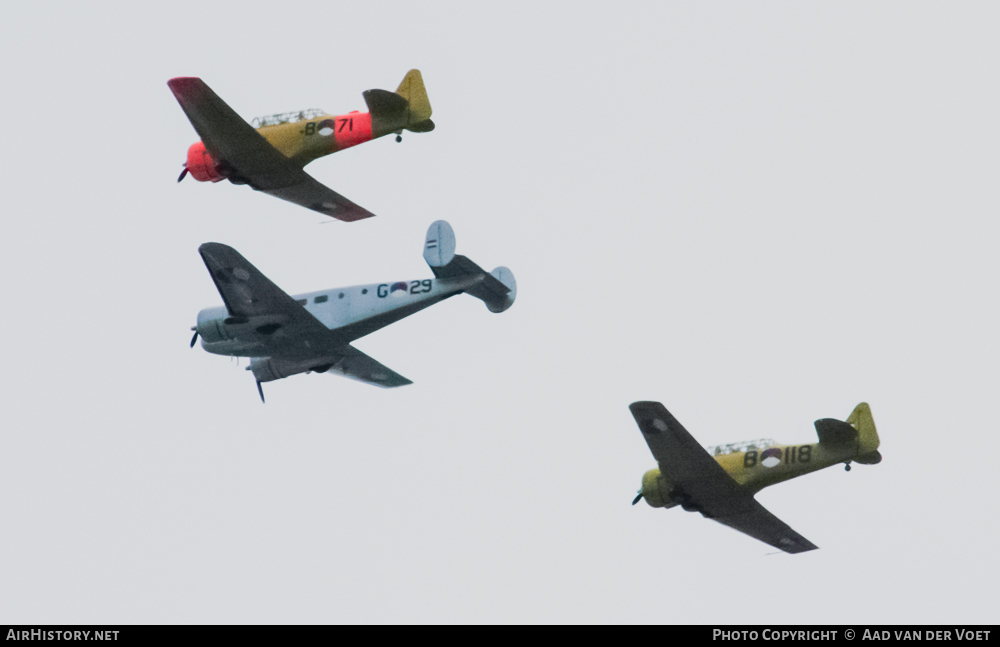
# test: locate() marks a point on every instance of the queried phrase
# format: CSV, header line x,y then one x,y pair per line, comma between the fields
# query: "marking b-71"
x,y
270,154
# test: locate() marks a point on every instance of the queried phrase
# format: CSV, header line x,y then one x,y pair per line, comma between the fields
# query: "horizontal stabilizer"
x,y
836,433
424,126
387,106
497,289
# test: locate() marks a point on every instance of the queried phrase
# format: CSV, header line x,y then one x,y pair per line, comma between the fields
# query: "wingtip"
x,y
402,382
638,406
208,249
180,85
802,549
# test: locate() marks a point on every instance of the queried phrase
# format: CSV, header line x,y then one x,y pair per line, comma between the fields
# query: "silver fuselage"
x,y
337,308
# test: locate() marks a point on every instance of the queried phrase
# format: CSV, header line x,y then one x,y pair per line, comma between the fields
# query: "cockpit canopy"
x,y
732,448
287,117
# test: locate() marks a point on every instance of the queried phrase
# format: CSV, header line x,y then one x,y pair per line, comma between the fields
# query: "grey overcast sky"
x,y
759,214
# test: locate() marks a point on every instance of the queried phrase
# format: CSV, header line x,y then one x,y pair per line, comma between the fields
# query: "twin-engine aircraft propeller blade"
x,y
183,173
637,498
260,390
195,338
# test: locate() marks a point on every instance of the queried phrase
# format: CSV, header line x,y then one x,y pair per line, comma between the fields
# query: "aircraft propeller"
x,y
637,498
195,338
260,390
183,173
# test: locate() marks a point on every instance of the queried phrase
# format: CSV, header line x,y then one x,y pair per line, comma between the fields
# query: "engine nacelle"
x,y
211,325
652,492
201,165
268,369
217,325
655,490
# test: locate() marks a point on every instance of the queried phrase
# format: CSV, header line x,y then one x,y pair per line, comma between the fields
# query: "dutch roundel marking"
x,y
770,457
399,289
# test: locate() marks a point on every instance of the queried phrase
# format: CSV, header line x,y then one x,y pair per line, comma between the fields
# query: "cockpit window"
x,y
321,299
287,118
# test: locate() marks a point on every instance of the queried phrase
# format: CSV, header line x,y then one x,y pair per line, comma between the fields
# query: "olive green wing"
x,y
701,484
248,157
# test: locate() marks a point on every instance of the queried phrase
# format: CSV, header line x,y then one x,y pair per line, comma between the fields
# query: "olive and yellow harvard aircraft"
x,y
721,484
270,154
285,335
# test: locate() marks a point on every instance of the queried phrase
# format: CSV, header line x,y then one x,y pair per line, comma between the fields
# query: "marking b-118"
x,y
722,487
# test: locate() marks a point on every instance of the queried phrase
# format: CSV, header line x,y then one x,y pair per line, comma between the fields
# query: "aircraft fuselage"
x,y
300,141
755,469
348,309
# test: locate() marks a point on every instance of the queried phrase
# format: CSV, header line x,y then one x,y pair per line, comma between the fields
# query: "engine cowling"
x,y
656,489
217,325
652,491
201,165
268,369
211,326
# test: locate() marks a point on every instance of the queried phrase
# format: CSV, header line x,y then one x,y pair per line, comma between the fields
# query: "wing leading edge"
x,y
704,485
251,158
249,295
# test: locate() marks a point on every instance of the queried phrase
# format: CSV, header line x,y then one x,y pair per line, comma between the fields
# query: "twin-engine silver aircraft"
x,y
721,485
285,335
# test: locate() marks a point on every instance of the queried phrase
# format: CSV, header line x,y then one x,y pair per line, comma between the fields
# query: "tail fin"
x,y
408,107
412,89
861,419
496,289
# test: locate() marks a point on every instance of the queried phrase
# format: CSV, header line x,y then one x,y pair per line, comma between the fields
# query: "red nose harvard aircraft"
x,y
270,154
721,484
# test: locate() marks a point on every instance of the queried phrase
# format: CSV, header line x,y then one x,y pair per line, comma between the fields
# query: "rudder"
x,y
868,442
497,289
412,89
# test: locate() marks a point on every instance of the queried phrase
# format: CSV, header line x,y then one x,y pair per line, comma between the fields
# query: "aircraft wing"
x,y
705,484
249,294
358,366
233,141
312,195
753,519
